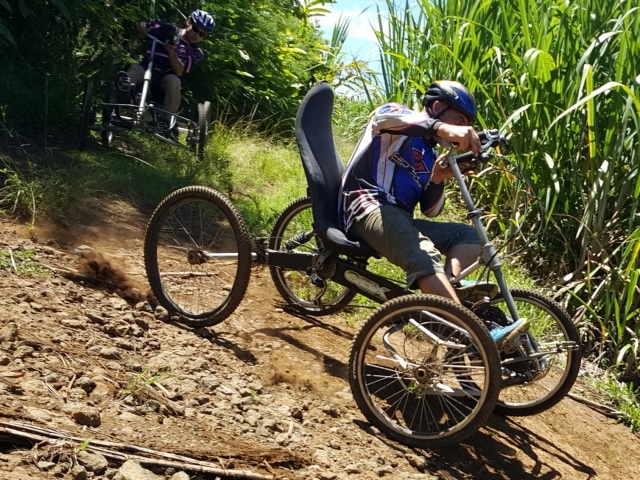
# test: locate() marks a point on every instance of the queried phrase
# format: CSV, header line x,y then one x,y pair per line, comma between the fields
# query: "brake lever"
x,y
488,139
492,138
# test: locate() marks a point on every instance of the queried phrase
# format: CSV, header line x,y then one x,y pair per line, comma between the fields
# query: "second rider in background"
x,y
394,168
175,56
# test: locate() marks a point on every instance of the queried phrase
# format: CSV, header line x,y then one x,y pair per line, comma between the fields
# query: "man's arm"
x,y
142,29
176,64
160,31
397,119
432,201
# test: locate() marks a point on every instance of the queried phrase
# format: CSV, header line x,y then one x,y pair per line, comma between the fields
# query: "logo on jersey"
x,y
418,160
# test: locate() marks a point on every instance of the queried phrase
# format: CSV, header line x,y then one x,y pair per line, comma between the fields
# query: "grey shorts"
x,y
415,245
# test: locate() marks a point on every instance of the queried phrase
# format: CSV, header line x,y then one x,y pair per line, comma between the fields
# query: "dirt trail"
x,y
262,394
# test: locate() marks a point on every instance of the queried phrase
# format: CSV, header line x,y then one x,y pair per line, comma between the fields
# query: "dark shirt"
x,y
189,54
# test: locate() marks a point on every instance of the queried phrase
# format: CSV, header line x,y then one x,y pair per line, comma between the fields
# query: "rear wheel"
x,y
312,293
107,112
197,255
425,371
204,120
86,114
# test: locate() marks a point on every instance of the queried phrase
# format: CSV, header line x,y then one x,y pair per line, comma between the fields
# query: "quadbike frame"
x,y
353,274
144,114
419,346
523,362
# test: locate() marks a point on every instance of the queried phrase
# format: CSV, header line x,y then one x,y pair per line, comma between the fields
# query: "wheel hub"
x,y
422,375
428,372
196,257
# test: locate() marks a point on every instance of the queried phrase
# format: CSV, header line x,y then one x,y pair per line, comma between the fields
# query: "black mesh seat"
x,y
323,169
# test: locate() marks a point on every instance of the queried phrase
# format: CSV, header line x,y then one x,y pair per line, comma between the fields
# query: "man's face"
x,y
195,34
450,115
454,117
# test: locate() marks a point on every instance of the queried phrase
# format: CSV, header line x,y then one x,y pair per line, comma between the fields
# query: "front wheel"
x,y
197,255
311,293
425,371
534,382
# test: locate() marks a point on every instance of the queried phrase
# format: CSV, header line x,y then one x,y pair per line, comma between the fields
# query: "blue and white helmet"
x,y
453,94
203,20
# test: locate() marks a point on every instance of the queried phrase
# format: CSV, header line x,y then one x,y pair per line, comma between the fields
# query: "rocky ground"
x,y
96,384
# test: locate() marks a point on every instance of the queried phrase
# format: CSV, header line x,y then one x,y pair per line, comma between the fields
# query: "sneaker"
x,y
504,336
123,87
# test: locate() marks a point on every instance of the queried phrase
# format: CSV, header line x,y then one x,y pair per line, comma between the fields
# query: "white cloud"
x,y
361,24
361,39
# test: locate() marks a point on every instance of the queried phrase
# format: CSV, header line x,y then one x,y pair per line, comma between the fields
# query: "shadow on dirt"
x,y
218,339
317,322
332,366
495,452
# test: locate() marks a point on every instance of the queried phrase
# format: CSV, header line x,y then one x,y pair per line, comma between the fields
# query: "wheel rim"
x,y
87,105
553,373
310,293
424,377
204,119
196,229
107,112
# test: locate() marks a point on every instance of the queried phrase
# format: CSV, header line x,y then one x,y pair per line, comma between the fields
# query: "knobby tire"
x,y
424,370
197,255
549,324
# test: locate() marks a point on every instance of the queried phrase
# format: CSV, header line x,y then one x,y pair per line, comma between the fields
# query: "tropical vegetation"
x,y
560,77
260,60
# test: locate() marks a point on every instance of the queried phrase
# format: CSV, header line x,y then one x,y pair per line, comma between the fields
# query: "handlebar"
x,y
488,139
153,38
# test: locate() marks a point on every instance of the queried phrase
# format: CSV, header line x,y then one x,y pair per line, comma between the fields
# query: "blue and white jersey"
x,y
392,164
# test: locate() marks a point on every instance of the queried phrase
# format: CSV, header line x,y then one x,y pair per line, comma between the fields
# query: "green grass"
x,y
625,397
138,383
267,175
21,262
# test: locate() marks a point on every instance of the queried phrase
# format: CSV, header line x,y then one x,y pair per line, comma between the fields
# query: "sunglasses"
x,y
202,33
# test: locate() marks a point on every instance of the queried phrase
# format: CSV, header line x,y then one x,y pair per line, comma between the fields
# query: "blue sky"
x,y
361,41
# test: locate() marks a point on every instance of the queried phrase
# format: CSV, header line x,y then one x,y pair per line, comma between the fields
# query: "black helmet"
x,y
453,94
203,20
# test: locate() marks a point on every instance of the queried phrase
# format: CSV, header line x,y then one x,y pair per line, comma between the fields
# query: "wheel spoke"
x,y
310,292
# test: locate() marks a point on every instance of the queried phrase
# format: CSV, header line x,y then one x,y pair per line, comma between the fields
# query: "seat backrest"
x,y
323,169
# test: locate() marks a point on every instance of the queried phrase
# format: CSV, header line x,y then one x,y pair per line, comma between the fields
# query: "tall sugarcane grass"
x,y
562,78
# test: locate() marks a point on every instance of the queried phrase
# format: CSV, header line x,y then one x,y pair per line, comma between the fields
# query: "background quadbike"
x,y
423,369
141,113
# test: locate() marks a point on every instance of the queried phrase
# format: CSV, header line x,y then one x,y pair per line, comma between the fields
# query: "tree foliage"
x,y
561,77
260,58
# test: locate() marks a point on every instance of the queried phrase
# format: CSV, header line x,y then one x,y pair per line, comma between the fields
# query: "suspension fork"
x,y
489,255
146,84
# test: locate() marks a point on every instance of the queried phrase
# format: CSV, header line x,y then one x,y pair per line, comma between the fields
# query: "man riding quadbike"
x,y
146,96
394,168
427,370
